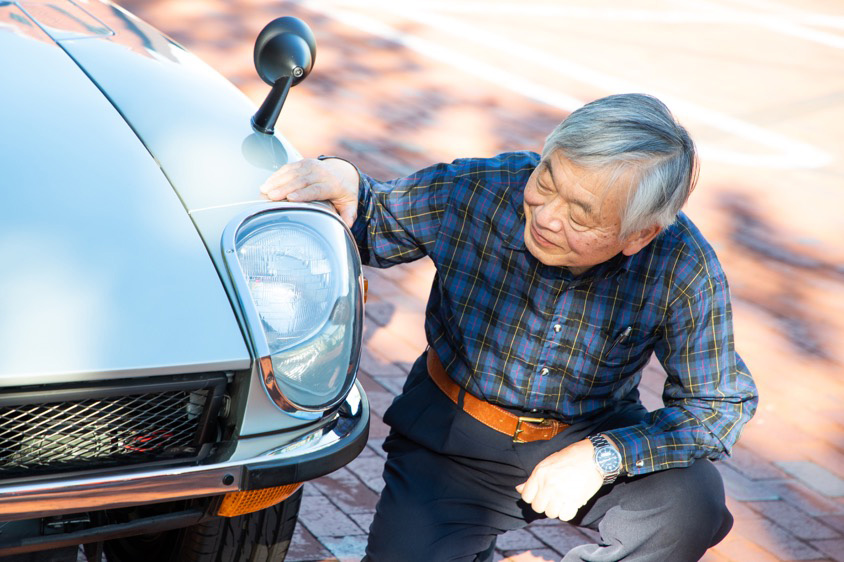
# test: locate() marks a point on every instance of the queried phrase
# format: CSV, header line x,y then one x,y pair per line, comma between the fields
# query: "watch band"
x,y
599,442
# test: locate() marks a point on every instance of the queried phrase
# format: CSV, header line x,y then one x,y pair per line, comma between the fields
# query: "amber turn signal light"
x,y
241,503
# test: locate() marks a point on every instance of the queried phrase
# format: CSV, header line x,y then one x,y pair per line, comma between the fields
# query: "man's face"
x,y
572,218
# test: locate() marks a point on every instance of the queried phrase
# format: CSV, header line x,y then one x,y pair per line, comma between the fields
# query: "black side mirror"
x,y
285,51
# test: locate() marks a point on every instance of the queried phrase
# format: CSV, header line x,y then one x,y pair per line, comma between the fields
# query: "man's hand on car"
x,y
332,179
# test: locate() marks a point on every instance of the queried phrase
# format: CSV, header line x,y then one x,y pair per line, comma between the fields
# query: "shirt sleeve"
x,y
709,394
398,221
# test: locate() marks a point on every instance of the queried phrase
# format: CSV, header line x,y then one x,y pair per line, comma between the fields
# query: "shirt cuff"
x,y
633,446
643,452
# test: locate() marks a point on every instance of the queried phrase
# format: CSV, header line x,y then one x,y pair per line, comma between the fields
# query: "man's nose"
x,y
548,217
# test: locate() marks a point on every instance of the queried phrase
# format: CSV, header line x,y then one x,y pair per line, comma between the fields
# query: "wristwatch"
x,y
607,458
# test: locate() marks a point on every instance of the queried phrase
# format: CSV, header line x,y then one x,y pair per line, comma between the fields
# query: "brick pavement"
x,y
401,84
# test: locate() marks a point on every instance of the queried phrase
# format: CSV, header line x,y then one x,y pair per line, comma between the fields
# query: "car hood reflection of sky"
x,y
103,272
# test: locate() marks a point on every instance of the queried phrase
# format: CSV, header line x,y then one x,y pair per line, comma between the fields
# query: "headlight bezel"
x,y
252,317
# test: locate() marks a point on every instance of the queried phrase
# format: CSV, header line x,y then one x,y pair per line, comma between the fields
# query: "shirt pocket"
x,y
625,349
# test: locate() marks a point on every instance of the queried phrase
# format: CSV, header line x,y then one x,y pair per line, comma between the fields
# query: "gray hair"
x,y
633,132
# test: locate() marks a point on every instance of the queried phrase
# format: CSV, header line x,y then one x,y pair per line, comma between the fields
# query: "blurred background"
x,y
401,84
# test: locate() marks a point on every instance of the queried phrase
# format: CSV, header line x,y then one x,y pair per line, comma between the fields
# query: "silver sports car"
x,y
176,354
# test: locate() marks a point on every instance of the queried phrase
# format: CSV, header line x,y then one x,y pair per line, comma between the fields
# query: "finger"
x,y
282,176
530,488
278,190
553,511
567,513
292,176
282,185
540,504
313,192
324,186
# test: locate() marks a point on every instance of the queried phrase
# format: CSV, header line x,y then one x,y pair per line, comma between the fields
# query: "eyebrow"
x,y
587,208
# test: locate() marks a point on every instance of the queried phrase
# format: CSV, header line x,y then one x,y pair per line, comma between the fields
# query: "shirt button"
x,y
557,328
640,463
544,371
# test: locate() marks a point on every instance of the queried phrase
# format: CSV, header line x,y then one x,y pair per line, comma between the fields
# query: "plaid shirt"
x,y
524,335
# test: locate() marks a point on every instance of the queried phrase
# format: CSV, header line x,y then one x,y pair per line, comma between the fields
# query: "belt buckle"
x,y
525,419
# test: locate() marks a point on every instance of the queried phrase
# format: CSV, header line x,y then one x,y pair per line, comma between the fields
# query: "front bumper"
x,y
331,446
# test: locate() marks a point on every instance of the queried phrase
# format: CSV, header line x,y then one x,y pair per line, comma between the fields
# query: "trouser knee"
x,y
671,515
699,512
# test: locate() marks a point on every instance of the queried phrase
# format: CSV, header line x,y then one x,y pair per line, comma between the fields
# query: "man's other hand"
x,y
563,482
310,179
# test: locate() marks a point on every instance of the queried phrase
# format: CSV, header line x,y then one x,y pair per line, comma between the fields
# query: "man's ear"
x,y
640,239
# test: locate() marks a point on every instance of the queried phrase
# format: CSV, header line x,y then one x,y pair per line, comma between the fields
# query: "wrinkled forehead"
x,y
601,190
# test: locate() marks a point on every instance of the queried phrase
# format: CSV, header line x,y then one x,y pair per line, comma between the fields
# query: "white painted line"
x,y
803,32
714,13
792,14
788,153
789,24
449,56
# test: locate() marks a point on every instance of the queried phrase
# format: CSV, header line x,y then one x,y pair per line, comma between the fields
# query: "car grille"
x,y
52,429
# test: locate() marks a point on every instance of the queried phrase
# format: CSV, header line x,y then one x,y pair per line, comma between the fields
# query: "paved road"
x,y
760,84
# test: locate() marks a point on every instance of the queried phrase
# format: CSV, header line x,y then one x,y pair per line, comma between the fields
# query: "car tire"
x,y
262,536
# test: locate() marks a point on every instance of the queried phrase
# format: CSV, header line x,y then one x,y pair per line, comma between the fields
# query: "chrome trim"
x,y
54,498
68,495
253,321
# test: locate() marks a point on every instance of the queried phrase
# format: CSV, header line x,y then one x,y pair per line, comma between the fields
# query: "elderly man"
x,y
557,277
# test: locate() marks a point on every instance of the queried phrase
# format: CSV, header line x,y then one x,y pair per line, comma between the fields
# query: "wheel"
x,y
262,536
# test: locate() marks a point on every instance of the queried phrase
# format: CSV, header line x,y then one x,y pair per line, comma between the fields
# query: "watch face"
x,y
608,459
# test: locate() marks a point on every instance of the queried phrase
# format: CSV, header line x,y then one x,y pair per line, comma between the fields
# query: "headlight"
x,y
298,277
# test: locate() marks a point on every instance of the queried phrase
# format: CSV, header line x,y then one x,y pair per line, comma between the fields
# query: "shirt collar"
x,y
515,239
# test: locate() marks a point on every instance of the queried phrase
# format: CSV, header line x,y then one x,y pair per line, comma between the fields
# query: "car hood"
x,y
191,119
103,274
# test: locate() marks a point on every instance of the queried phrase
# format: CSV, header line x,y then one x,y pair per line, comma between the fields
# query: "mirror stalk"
x,y
265,118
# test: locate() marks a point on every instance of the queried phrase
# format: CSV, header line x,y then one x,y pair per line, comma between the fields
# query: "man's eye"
x,y
577,224
543,188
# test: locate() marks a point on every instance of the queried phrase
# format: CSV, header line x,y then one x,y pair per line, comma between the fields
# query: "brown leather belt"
x,y
522,429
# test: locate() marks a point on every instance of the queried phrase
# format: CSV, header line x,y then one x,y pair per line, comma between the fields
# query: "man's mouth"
x,y
540,239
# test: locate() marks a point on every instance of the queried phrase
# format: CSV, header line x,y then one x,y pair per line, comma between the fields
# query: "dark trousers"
x,y
450,490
